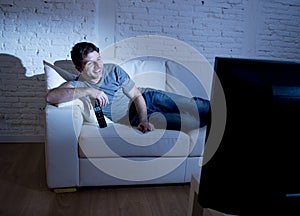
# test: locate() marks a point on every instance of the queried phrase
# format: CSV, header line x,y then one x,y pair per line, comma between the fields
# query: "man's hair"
x,y
80,51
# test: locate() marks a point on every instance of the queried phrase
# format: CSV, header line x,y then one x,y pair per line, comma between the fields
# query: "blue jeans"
x,y
173,111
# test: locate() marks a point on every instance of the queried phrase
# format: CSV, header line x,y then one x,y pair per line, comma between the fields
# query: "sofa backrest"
x,y
147,72
168,75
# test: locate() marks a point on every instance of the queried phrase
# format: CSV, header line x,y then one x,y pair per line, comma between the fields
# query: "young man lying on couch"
x,y
115,92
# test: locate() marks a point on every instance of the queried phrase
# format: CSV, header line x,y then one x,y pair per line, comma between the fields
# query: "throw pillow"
x,y
52,73
53,78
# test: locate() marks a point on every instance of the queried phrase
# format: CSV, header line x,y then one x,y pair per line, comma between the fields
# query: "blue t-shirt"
x,y
115,82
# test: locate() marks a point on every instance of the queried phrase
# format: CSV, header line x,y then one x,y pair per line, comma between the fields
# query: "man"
x,y
115,91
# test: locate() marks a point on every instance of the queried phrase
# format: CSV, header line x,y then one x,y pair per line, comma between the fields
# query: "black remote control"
x,y
99,115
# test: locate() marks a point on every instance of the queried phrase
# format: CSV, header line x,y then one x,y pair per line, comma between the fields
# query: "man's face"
x,y
92,67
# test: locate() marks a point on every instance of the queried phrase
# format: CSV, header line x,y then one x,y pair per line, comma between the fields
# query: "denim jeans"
x,y
172,111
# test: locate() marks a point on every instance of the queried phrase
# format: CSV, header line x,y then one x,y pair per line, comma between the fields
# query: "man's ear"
x,y
78,68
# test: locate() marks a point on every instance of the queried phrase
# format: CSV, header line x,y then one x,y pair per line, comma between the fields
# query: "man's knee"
x,y
204,110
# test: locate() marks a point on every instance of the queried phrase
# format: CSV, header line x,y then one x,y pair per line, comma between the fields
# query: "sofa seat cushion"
x,y
119,140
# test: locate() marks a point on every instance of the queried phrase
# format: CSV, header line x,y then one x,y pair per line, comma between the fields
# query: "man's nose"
x,y
97,64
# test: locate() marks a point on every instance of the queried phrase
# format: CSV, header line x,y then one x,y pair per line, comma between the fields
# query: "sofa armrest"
x,y
63,125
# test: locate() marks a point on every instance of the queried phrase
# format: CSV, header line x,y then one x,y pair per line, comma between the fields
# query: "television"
x,y
255,169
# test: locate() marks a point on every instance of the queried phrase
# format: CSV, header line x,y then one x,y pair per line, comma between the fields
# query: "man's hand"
x,y
141,108
145,127
100,95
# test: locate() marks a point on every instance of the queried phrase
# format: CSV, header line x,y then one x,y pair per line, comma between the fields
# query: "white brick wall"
x,y
238,28
33,30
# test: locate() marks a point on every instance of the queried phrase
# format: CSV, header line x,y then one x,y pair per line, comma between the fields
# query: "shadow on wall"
x,y
11,63
22,99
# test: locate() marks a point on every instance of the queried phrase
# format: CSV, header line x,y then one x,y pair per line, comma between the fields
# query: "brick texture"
x,y
34,30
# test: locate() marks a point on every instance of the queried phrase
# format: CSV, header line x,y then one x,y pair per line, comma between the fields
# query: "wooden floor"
x,y
23,191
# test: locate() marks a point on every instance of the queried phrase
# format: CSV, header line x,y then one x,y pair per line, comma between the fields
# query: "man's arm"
x,y
141,109
67,92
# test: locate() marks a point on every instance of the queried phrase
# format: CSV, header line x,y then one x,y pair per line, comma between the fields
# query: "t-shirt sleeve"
x,y
77,84
73,83
126,82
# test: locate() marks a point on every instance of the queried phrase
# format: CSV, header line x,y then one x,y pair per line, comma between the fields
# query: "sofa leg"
x,y
64,190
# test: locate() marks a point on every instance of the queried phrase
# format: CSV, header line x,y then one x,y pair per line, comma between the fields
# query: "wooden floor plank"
x,y
23,191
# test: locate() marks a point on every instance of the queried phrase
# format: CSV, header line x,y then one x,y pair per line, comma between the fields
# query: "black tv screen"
x,y
257,161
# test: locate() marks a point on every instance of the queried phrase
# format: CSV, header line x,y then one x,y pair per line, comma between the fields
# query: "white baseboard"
x,y
22,139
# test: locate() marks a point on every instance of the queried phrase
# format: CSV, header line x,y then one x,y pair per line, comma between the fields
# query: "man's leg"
x,y
165,102
204,110
174,121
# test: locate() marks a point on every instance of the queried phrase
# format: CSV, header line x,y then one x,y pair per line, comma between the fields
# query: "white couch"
x,y
78,153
